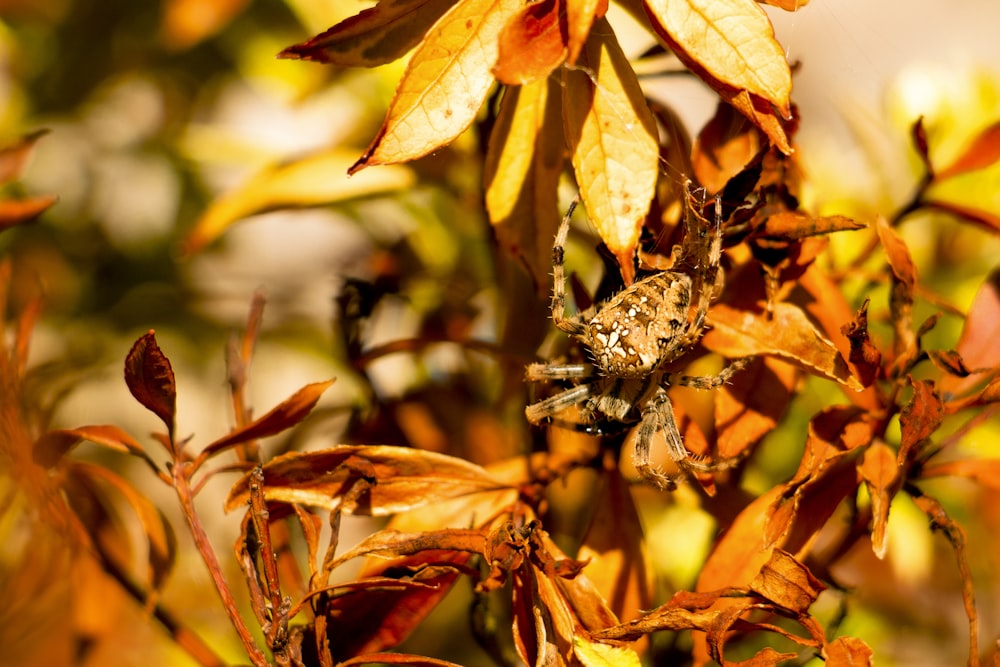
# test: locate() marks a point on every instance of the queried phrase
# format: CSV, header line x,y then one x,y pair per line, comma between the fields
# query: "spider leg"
x,y
571,325
714,381
546,372
706,242
656,415
537,412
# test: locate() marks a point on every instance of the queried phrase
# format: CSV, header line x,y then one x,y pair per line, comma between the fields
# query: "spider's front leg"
x,y
658,414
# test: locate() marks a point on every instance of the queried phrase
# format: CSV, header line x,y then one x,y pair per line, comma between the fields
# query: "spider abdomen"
x,y
639,328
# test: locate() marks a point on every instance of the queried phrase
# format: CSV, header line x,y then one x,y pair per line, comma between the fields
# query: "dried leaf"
x,y
286,414
445,83
53,445
787,582
919,418
881,475
596,654
788,334
396,659
766,657
523,164
733,41
985,472
750,405
613,139
904,278
977,343
375,36
401,479
151,380
849,652
316,180
723,148
532,44
865,358
796,225
983,152
760,113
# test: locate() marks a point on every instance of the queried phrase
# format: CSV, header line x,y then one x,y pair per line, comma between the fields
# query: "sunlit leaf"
x,y
523,164
787,582
613,139
788,5
401,478
865,358
532,44
981,153
396,659
187,22
977,343
982,471
445,83
787,334
53,445
881,475
988,219
580,16
596,654
761,114
750,405
794,225
849,652
919,418
282,417
723,147
316,180
375,36
151,380
14,212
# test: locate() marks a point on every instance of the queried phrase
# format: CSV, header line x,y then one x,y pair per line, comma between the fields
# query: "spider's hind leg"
x,y
714,381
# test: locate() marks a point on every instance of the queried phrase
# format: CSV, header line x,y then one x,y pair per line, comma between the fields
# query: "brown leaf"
x,y
981,153
904,278
533,43
283,416
977,343
446,82
401,479
375,36
613,139
865,358
881,475
766,657
53,445
797,225
724,146
396,659
788,334
732,40
151,380
750,405
523,165
849,652
918,419
787,582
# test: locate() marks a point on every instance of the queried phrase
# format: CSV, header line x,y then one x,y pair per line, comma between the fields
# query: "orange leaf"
x,y
849,652
580,16
787,582
788,334
375,36
795,225
749,406
982,471
977,343
283,416
523,164
445,83
985,218
865,358
881,476
53,445
613,139
14,158
532,44
918,419
787,5
396,659
760,114
723,148
15,212
151,380
401,478
981,153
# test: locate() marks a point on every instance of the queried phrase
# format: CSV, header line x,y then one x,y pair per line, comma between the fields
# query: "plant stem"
x,y
183,488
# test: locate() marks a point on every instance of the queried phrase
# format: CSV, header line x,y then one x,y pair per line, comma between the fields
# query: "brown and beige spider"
x,y
632,338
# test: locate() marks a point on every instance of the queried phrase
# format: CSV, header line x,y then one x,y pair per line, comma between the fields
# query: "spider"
x,y
632,337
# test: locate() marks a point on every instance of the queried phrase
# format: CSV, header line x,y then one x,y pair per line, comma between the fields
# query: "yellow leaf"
x,y
522,170
580,16
312,181
613,139
444,85
596,654
731,40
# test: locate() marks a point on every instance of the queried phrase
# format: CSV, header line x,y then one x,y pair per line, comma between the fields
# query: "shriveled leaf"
x,y
53,445
445,83
985,472
523,164
788,334
750,405
315,180
375,36
904,278
865,358
397,659
13,158
613,139
740,553
733,40
900,260
14,212
977,343
532,44
881,475
392,544
766,657
983,152
787,582
151,380
401,479
619,565
596,654
286,414
849,652
156,528
956,537
919,418
796,225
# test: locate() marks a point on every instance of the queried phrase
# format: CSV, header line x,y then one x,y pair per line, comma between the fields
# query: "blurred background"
x,y
175,136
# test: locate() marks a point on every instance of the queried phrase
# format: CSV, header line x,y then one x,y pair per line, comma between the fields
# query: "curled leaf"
x,y
881,475
533,43
53,445
787,582
150,379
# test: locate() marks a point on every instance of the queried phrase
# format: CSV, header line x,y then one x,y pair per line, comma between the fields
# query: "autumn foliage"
x,y
546,531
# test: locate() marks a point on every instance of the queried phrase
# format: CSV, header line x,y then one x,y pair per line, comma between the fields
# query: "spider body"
x,y
631,338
